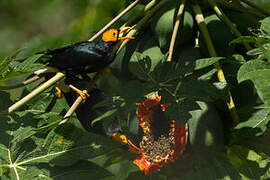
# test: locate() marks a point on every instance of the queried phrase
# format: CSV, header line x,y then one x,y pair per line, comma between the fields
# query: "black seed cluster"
x,y
158,143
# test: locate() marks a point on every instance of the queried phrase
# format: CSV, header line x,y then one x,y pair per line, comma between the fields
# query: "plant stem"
x,y
71,110
227,21
175,28
36,92
246,12
79,99
256,7
203,28
142,22
146,8
232,6
132,5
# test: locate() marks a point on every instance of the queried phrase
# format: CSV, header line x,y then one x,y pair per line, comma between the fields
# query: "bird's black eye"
x,y
114,34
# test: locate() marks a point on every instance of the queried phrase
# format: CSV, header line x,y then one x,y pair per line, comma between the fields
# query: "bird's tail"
x,y
45,70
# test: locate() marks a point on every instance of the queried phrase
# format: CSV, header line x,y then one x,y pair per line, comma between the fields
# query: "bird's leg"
x,y
83,93
59,92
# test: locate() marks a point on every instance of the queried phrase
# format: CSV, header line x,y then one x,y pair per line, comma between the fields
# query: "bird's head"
x,y
114,35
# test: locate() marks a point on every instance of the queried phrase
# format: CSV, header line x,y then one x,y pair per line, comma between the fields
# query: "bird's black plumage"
x,y
83,57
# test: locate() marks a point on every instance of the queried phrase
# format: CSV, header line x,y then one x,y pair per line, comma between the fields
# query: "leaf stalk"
x,y
175,29
228,22
203,28
36,92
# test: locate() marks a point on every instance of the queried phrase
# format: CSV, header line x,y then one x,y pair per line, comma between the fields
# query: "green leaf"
x,y
81,170
266,175
9,68
63,146
155,54
140,65
166,74
208,75
122,169
256,125
241,39
265,27
201,90
250,164
259,73
237,58
4,65
180,110
29,65
205,62
107,114
258,51
7,61
259,144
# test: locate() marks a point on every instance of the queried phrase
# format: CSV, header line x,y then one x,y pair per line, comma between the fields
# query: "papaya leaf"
x,y
241,39
250,164
259,73
80,170
140,65
29,65
155,54
4,65
7,61
180,110
256,125
205,62
204,91
107,114
11,68
166,74
259,144
122,169
235,59
258,51
63,146
265,27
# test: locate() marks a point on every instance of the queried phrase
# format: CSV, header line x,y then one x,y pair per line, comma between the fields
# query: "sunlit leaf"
x,y
250,164
202,63
256,125
265,27
259,73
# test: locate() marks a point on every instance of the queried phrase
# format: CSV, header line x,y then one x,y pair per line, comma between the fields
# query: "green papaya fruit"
x,y
163,23
221,36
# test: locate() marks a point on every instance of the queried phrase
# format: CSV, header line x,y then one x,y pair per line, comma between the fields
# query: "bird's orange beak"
x,y
124,38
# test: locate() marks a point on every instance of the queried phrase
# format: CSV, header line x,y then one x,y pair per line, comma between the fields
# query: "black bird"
x,y
84,57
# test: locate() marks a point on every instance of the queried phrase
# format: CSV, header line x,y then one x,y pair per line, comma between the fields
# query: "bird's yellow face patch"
x,y
110,35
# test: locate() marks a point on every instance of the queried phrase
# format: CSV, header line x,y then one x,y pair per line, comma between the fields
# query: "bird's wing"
x,y
83,55
64,48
